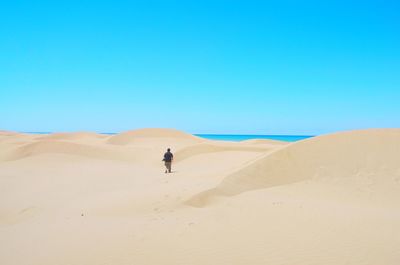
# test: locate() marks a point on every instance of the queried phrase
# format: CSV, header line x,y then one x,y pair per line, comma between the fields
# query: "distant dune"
x,y
131,136
7,133
212,147
59,147
85,198
265,141
72,136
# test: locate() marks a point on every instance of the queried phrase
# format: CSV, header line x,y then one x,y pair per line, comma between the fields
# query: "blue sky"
x,y
251,67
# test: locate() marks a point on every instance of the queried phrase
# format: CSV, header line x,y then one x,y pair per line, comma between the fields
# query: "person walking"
x,y
168,157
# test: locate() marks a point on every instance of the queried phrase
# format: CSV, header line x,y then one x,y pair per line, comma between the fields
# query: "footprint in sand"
x,y
20,216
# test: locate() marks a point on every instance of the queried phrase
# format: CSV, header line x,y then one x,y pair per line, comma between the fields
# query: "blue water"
x,y
240,137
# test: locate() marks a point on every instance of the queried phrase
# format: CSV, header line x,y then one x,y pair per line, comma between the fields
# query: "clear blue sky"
x,y
258,67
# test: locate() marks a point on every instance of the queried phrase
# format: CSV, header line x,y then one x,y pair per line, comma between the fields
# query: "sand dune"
x,y
148,149
131,136
72,136
264,141
7,133
95,199
58,147
210,147
373,157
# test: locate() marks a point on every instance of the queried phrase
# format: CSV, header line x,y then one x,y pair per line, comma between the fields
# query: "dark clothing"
x,y
168,156
168,166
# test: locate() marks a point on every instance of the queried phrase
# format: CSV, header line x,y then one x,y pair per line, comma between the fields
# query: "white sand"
x,y
89,199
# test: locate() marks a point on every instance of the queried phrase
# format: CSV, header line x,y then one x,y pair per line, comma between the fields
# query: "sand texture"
x,y
90,199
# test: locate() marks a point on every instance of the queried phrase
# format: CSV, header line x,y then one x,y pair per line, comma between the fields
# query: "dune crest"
x,y
7,133
61,147
264,141
72,136
210,147
130,136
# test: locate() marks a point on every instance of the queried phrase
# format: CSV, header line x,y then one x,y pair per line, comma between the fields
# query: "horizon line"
x,y
196,134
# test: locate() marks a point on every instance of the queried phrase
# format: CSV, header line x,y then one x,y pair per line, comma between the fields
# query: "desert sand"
x,y
89,199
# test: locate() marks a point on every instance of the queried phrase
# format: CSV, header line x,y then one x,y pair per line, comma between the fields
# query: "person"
x,y
168,157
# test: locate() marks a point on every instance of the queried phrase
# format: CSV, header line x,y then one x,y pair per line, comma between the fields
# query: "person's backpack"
x,y
168,157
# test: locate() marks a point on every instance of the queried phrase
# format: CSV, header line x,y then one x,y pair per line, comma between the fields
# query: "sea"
x,y
236,137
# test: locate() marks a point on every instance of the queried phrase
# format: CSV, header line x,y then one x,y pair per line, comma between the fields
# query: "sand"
x,y
84,198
